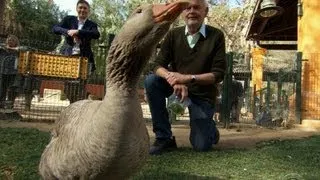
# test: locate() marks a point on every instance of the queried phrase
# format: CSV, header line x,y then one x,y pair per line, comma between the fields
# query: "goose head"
x,y
137,40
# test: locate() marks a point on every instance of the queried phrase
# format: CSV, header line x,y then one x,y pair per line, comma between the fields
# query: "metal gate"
x,y
277,103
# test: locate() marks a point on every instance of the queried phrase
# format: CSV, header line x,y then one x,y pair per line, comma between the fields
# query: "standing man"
x,y
78,32
196,54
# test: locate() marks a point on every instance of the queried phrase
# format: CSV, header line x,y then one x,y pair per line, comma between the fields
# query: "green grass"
x,y
20,151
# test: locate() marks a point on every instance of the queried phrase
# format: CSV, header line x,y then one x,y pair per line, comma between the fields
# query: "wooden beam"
x,y
279,46
279,30
263,25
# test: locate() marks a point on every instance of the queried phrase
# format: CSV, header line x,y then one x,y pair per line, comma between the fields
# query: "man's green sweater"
x,y
208,55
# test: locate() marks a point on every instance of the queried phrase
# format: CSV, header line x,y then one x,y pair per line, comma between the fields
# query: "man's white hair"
x,y
206,3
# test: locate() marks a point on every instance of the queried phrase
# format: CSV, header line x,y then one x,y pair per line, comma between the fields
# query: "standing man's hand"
x,y
181,90
73,32
174,78
76,39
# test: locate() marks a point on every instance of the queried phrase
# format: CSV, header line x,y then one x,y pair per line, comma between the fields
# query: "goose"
x,y
108,139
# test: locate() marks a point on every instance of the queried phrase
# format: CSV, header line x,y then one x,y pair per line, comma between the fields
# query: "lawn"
x,y
20,151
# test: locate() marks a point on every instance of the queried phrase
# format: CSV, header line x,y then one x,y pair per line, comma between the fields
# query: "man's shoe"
x,y
217,136
163,145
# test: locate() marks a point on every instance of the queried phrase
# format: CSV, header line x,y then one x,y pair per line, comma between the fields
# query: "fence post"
x,y
226,99
298,87
249,96
280,74
268,93
261,99
254,113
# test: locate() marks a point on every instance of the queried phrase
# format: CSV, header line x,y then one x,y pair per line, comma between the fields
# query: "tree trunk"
x,y
2,8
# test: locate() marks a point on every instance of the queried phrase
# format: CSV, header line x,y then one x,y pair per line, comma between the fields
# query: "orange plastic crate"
x,y
53,65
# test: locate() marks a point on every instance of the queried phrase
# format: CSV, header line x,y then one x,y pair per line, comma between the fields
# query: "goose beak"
x,y
169,11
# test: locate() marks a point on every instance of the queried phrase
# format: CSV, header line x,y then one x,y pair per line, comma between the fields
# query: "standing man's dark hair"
x,y
83,2
78,32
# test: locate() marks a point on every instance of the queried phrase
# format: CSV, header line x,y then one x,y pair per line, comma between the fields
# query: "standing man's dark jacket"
x,y
89,31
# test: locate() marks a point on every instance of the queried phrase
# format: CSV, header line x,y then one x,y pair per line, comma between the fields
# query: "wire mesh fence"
x,y
311,86
36,97
36,83
273,104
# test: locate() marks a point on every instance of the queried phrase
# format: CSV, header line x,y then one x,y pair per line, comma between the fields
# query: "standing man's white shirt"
x,y
193,39
81,23
76,48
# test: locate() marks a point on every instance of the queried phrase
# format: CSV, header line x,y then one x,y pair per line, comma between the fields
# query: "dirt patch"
x,y
243,137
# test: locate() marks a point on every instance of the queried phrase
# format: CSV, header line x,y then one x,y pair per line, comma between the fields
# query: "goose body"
x,y
108,147
108,139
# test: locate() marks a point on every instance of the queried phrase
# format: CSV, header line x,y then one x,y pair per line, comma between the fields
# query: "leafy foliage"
x,y
32,20
233,21
110,16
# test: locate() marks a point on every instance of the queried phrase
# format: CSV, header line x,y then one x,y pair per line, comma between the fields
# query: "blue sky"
x,y
233,3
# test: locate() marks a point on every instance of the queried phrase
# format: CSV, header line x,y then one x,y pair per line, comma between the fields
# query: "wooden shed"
x,y
296,27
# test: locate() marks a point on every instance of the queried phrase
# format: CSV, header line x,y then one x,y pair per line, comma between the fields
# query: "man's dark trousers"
x,y
203,128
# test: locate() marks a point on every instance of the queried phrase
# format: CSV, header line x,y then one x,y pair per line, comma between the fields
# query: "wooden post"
x,y
298,88
308,44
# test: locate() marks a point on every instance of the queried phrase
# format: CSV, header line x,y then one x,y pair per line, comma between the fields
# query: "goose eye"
x,y
139,10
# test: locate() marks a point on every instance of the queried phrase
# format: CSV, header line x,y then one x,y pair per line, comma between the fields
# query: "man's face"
x,y
12,43
83,10
195,13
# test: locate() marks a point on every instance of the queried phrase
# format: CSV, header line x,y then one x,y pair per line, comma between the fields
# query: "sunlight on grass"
x,y
21,150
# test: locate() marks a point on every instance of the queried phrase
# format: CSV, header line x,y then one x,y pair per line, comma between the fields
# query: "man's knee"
x,y
156,88
149,81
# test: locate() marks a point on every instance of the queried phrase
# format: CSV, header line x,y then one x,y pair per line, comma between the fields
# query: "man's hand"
x,y
174,78
181,90
76,39
73,32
